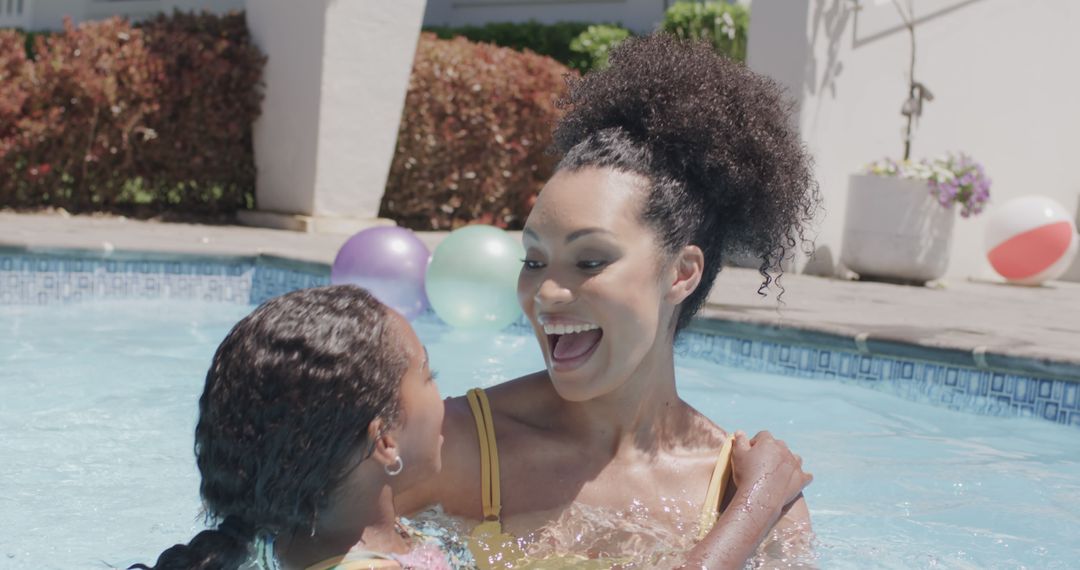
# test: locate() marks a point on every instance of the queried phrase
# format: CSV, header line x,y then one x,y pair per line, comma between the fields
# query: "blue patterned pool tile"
x,y
845,367
1069,396
269,282
997,383
1020,390
1057,391
47,280
1046,388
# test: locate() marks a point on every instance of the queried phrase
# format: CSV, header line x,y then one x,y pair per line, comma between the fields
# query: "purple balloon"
x,y
390,262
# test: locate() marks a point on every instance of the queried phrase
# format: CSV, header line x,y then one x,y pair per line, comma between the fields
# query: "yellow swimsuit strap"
x,y
489,454
718,484
491,548
491,496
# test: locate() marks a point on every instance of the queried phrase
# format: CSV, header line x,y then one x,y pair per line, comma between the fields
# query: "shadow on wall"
x,y
859,41
786,23
830,19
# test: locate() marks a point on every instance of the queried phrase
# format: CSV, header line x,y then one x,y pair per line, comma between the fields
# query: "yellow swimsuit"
x,y
494,549
356,561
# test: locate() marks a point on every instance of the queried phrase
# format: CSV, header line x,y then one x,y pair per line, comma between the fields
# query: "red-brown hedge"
x,y
14,87
114,116
472,143
211,89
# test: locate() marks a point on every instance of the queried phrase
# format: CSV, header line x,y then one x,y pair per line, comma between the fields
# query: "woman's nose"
x,y
551,292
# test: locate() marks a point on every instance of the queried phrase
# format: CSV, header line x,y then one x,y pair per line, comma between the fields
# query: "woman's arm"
x,y
770,480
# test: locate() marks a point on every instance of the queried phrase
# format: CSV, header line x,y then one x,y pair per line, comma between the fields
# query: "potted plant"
x,y
900,214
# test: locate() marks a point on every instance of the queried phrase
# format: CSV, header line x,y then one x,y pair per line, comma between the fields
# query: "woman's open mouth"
x,y
572,345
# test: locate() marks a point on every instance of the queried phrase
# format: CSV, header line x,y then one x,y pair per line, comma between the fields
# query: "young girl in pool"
x,y
673,159
318,408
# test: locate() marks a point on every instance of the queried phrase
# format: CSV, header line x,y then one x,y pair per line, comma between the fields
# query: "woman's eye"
x,y
532,264
591,265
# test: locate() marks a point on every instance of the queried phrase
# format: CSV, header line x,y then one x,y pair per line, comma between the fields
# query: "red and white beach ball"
x,y
1030,240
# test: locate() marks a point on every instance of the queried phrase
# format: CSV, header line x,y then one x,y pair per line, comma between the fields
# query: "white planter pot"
x,y
894,230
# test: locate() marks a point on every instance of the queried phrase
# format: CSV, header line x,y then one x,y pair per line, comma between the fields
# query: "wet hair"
x,y
284,415
725,168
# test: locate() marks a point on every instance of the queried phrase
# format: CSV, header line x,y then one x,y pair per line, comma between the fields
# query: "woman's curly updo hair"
x,y
284,415
725,167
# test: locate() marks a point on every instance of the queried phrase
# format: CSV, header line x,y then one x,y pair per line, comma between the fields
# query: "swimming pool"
x,y
98,402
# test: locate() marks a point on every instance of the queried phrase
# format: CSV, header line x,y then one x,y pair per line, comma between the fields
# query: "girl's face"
x,y
419,429
592,283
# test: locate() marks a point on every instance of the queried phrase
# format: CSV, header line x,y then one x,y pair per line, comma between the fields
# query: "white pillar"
x,y
336,76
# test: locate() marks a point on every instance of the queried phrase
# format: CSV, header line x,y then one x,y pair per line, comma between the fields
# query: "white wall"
x,y
1005,78
286,135
637,15
49,14
336,76
367,61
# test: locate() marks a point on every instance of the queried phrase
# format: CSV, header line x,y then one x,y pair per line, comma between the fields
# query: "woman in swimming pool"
x,y
317,409
673,158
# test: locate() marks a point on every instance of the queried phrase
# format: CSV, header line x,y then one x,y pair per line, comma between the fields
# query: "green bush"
x,y
111,116
474,132
597,42
552,40
722,24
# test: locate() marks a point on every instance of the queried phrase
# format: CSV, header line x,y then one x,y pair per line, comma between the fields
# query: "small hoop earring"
x,y
396,469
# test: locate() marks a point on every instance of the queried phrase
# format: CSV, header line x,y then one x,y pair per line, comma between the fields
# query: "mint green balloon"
x,y
472,278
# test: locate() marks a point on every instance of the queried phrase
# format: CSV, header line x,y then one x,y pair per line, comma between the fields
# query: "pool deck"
x,y
1034,330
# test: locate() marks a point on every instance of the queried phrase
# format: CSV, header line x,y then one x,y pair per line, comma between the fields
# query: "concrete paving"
x,y
984,322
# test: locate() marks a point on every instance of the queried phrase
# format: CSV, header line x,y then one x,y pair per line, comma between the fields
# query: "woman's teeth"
x,y
568,329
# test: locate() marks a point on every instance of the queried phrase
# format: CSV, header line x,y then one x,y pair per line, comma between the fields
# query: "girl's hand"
x,y
769,481
767,474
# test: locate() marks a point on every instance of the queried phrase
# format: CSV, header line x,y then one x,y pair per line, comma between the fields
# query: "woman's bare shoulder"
x,y
457,486
698,431
525,405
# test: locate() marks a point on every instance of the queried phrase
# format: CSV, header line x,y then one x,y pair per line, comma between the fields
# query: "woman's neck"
x,y
644,414
359,517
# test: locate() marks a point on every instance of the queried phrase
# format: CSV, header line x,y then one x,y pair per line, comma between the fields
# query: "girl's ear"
x,y
685,274
385,449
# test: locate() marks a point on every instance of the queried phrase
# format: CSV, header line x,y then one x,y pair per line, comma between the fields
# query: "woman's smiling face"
x,y
591,282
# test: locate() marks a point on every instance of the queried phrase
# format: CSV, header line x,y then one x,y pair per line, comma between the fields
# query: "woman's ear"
x,y
685,273
385,449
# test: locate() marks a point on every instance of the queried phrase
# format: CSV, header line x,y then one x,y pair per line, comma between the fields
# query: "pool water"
x,y
98,404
